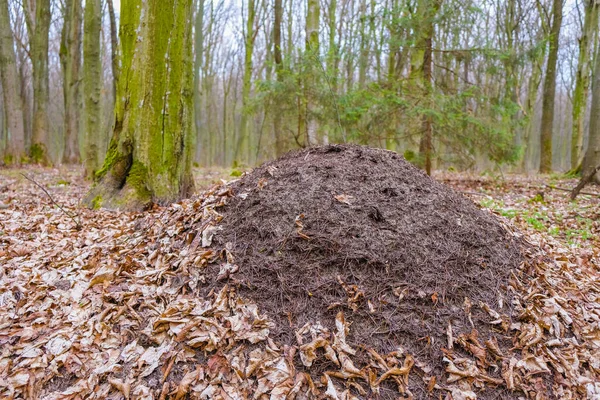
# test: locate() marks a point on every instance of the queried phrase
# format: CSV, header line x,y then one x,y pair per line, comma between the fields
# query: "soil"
x,y
307,227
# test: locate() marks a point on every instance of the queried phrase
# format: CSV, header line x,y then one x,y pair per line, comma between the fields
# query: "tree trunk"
x,y
426,145
150,154
333,55
3,133
509,32
70,58
278,18
199,48
420,77
550,90
377,41
114,43
393,42
363,57
92,85
243,146
38,16
15,150
592,154
22,65
313,12
585,179
289,47
528,130
582,79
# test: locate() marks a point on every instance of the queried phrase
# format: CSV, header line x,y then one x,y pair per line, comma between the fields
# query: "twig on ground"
x,y
476,194
584,181
76,220
571,190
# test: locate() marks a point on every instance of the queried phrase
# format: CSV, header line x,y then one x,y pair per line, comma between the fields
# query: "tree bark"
x,y
426,146
22,66
278,20
198,57
529,109
38,16
582,81
363,57
333,56
70,58
421,72
114,46
313,12
587,178
550,90
92,85
150,154
592,154
509,33
15,149
242,150
395,34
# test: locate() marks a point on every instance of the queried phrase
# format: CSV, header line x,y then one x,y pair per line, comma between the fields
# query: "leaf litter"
x,y
120,309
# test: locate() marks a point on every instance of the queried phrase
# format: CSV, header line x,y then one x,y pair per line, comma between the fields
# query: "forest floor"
x,y
78,287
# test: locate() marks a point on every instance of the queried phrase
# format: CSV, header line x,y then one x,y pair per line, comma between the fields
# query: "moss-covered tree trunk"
x,y
114,43
277,57
149,157
582,79
311,81
92,85
10,90
37,17
70,58
592,155
549,93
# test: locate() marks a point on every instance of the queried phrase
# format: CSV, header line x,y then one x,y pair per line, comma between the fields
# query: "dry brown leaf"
x,y
344,198
187,380
123,387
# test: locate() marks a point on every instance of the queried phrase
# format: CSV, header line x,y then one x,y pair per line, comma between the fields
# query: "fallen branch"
x,y
476,194
76,220
584,181
571,190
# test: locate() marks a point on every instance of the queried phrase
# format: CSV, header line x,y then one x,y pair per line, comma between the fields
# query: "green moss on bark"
x,y
97,202
37,153
110,159
137,179
149,158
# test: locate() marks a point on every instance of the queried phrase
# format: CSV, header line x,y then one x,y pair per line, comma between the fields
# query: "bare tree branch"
x,y
76,220
584,181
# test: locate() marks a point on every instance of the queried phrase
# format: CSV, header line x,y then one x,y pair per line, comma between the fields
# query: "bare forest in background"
x,y
468,85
